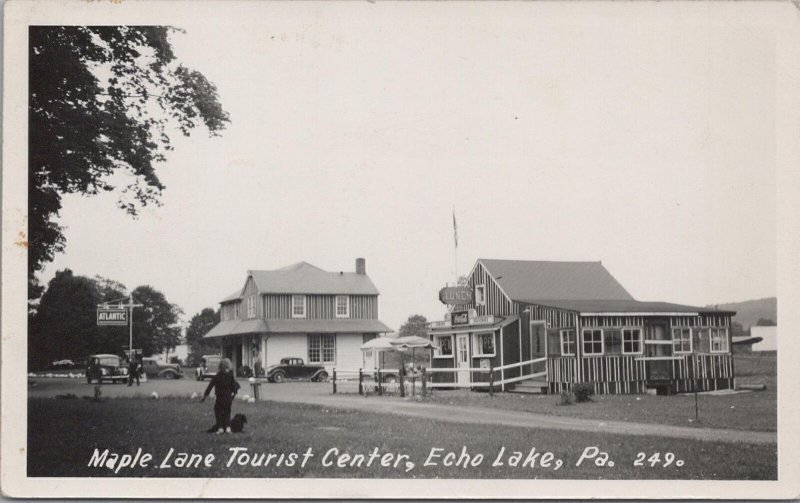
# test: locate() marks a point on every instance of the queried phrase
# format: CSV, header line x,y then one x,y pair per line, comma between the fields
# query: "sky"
x,y
645,141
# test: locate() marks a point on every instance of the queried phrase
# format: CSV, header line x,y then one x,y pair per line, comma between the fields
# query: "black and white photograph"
x,y
400,250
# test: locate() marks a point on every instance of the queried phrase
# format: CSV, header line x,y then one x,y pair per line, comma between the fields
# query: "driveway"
x,y
320,394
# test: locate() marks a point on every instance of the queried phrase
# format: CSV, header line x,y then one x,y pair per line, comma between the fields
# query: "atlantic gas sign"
x,y
112,316
456,295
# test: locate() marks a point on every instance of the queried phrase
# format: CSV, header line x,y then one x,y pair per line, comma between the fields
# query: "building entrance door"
x,y
462,358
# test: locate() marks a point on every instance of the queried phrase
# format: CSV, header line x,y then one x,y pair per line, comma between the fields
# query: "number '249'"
x,y
657,460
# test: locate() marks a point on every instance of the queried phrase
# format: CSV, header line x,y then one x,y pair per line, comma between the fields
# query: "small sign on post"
x,y
112,316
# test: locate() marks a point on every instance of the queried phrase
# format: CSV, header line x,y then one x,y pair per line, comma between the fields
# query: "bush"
x,y
244,372
583,392
567,398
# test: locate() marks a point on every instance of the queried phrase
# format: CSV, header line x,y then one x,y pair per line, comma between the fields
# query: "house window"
x,y
681,340
480,295
445,343
568,342
719,340
592,342
631,341
484,344
251,306
321,348
298,306
342,306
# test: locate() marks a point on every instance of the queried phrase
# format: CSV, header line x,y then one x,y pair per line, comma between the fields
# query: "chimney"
x,y
361,266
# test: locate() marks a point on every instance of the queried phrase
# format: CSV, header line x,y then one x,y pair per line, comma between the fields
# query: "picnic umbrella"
x,y
379,344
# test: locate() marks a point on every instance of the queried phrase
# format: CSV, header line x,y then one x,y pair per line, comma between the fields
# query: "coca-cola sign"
x,y
456,295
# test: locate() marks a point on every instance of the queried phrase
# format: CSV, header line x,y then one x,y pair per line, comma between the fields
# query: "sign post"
x,y
120,315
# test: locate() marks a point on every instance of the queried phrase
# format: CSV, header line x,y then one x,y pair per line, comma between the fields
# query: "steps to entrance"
x,y
530,386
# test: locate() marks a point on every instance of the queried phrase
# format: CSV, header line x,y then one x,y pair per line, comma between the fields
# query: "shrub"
x,y
583,392
567,398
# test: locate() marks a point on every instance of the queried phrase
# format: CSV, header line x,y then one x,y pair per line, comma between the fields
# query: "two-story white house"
x,y
300,311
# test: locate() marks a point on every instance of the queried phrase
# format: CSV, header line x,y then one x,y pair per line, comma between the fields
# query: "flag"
x,y
455,229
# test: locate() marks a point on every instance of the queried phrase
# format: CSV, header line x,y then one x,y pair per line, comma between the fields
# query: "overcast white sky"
x,y
645,140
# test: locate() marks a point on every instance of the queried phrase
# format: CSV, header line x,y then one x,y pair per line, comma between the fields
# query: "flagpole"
x,y
455,247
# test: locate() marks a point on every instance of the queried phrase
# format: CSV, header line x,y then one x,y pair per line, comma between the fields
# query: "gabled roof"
x,y
611,307
524,280
304,278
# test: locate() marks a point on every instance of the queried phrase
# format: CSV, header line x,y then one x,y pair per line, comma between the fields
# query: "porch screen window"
x,y
701,340
322,348
568,342
445,344
719,340
484,344
593,342
298,306
342,306
631,341
681,340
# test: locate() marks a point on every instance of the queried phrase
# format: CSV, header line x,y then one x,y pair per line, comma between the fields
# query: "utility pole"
x,y
130,322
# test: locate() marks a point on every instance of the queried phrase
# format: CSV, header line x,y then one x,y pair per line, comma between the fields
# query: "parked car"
x,y
105,367
209,366
154,368
295,368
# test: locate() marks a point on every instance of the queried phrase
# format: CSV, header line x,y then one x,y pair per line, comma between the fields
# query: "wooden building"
x,y
300,311
554,324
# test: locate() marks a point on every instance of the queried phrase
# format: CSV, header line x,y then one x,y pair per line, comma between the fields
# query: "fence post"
x,y
424,378
334,381
491,380
378,379
360,382
402,383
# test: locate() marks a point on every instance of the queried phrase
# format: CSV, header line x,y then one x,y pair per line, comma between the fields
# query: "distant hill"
x,y
749,311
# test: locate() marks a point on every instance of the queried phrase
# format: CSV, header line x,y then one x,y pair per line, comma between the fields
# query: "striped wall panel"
x,y
496,301
320,307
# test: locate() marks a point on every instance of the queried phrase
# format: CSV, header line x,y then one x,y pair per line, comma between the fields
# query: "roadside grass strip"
x,y
85,438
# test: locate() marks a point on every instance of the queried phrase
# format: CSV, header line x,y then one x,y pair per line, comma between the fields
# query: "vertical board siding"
x,y
319,307
496,301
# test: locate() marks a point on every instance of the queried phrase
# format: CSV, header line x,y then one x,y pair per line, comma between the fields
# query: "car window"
x,y
109,361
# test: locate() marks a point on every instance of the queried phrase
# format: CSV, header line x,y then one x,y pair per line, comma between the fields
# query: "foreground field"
x,y
753,411
65,433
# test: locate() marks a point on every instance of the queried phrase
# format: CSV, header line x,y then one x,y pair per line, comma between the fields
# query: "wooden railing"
x,y
393,381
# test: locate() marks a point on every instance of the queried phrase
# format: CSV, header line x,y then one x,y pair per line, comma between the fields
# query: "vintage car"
x,y
209,366
153,368
295,368
105,367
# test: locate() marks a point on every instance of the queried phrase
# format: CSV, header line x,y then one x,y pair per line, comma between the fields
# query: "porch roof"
x,y
238,327
618,307
500,323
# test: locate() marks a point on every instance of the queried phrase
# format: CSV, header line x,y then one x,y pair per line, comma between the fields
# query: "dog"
x,y
238,422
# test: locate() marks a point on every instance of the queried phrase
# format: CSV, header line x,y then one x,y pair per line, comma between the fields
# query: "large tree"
x,y
65,324
103,101
199,325
415,325
155,324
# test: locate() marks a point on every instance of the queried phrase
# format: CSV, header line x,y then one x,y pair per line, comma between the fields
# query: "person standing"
x,y
134,370
225,387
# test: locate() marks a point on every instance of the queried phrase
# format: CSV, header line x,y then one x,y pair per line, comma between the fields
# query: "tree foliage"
x,y
765,322
102,102
200,324
415,325
65,324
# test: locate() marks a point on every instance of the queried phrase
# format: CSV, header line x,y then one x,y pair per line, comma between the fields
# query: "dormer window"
x,y
480,295
251,306
298,306
342,306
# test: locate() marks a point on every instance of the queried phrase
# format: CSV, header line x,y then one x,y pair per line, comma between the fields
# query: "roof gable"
x,y
305,278
535,279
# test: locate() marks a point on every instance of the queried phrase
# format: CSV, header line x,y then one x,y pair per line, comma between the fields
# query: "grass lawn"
x,y
755,411
64,434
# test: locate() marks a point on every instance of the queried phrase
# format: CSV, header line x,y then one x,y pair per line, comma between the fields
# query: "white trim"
x,y
602,341
672,334
305,306
574,343
479,347
641,341
624,313
346,306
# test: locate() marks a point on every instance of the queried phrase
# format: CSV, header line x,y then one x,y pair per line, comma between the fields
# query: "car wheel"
x,y
322,376
279,376
170,375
